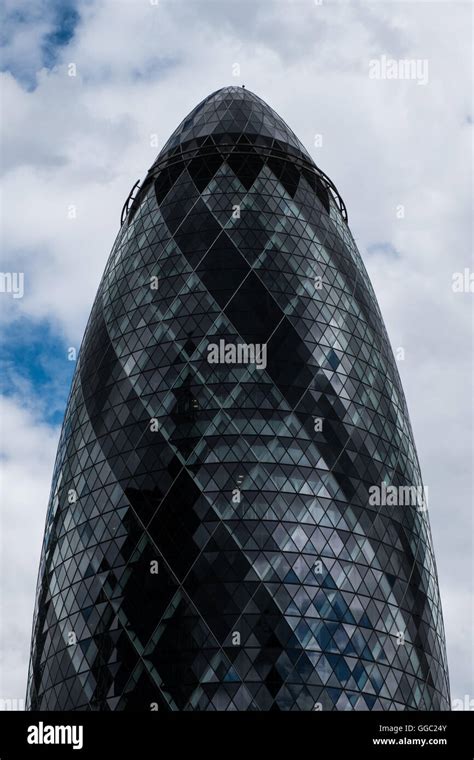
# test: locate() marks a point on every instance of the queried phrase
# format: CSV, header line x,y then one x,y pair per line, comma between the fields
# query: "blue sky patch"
x,y
33,36
34,364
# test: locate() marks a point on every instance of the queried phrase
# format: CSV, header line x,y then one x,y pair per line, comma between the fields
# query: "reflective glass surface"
x,y
210,542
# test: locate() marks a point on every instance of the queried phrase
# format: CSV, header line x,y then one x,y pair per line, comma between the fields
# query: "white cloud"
x,y
27,452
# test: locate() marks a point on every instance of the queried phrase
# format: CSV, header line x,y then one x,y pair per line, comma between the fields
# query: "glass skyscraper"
x,y
212,539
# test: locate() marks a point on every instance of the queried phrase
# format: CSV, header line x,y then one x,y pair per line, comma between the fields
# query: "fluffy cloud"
x,y
82,141
28,447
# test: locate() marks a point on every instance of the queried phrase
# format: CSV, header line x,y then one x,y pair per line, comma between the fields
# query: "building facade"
x,y
219,535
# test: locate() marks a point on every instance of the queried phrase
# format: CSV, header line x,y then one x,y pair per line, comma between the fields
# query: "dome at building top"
x,y
234,111
233,120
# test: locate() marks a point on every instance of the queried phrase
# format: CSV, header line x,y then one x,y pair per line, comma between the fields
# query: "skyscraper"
x,y
214,539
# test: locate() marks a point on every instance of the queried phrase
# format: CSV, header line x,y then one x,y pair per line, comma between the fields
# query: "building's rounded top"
x,y
234,111
234,121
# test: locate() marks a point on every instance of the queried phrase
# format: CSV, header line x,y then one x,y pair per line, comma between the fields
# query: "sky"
x,y
92,89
